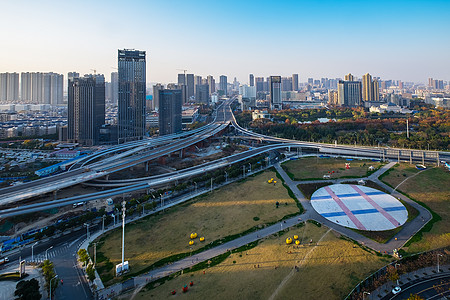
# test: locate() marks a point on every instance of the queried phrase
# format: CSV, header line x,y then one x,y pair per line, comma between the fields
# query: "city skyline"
x,y
327,39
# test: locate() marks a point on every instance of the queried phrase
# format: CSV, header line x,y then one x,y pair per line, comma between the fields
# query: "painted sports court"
x,y
359,207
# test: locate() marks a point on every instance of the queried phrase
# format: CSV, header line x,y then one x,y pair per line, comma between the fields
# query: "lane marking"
x,y
376,206
345,209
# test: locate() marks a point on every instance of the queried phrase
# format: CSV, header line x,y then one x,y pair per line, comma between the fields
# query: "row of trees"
x,y
429,129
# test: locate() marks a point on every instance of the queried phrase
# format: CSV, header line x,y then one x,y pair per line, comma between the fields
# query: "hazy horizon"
x,y
401,40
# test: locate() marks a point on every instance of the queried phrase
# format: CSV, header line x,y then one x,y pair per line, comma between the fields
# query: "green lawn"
x,y
230,210
310,168
328,270
431,187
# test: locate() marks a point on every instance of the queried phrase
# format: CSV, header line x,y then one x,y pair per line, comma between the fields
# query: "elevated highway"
x,y
126,156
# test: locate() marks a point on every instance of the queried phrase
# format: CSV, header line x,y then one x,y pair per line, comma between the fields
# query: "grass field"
x,y
328,270
432,188
227,211
310,168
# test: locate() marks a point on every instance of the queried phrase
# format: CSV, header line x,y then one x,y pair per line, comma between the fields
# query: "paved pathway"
x,y
309,213
407,231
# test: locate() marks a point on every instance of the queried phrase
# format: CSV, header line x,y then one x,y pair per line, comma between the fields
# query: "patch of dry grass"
x,y
326,271
314,168
229,210
432,188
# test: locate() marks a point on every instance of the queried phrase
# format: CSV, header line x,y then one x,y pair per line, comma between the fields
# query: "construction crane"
x,y
184,71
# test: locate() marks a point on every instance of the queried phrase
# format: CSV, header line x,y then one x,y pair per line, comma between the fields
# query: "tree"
x,y
28,290
90,271
392,273
48,271
83,256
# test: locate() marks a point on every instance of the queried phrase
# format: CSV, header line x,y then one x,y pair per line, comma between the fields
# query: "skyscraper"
x,y
43,88
182,86
295,82
9,87
131,110
251,80
181,79
86,108
189,85
349,77
170,102
286,84
223,84
114,88
212,84
25,87
202,93
349,93
370,88
156,89
275,92
259,84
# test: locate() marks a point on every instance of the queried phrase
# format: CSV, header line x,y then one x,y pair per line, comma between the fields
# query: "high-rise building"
x,y
367,87
251,80
349,93
132,92
223,84
42,88
189,85
295,82
202,93
25,87
370,88
181,79
310,81
286,84
333,97
9,87
182,86
114,87
349,77
155,103
259,84
170,103
275,92
212,84
86,108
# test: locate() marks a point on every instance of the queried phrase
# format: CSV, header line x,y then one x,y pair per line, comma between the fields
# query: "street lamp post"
x,y
226,176
46,252
32,251
87,231
103,223
56,276
438,262
123,232
397,271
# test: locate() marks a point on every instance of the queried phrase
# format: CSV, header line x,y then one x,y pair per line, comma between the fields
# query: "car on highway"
x,y
4,260
396,290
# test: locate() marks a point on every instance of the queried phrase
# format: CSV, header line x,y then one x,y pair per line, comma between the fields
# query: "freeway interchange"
x,y
91,169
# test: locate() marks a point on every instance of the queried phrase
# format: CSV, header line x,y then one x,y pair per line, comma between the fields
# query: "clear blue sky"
x,y
407,40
